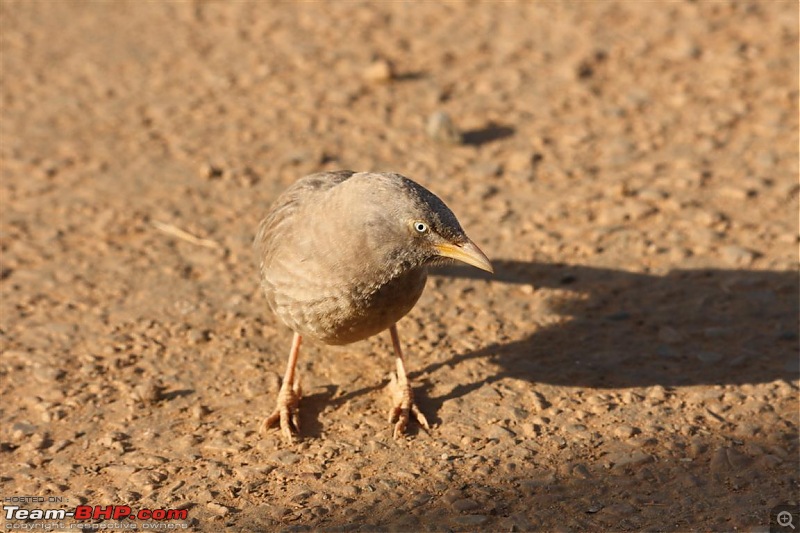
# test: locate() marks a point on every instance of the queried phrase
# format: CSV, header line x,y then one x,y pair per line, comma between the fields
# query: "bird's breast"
x,y
346,312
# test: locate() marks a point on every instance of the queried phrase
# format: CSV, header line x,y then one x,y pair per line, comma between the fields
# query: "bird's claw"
x,y
403,407
286,413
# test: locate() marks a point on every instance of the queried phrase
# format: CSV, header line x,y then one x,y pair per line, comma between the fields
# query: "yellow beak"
x,y
467,253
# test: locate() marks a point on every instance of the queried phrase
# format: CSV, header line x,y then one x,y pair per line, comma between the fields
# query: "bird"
x,y
343,256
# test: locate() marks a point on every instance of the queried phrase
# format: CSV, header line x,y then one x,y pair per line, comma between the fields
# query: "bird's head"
x,y
418,228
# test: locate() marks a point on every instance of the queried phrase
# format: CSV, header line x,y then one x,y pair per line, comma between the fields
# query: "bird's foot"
x,y
403,406
286,413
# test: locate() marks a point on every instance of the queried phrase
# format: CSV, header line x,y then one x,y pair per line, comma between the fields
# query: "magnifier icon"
x,y
785,519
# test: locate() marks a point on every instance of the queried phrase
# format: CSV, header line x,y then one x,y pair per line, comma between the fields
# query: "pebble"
x,y
535,486
792,366
465,504
379,71
21,430
669,335
709,357
485,170
301,494
441,128
737,255
625,432
147,480
147,393
519,161
657,393
580,471
286,457
662,350
621,460
185,442
223,445
470,520
197,336
218,509
500,433
539,402
575,428
452,495
770,461
729,460
594,508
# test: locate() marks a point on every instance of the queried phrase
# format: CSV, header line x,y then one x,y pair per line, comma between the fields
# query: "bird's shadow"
x,y
621,330
625,329
312,408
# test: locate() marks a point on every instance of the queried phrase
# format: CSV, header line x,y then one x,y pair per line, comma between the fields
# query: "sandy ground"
x,y
630,167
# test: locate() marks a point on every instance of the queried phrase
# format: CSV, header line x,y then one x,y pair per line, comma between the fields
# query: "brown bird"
x,y
344,256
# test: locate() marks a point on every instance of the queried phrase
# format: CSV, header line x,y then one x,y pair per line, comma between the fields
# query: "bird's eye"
x,y
421,227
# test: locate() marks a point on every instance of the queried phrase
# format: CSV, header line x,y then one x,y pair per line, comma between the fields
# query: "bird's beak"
x,y
467,253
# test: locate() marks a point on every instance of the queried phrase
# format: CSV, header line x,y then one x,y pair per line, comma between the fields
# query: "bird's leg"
x,y
402,395
287,410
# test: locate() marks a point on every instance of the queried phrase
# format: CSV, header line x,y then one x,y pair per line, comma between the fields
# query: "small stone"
x,y
540,485
486,170
301,495
624,460
452,495
669,335
519,161
539,402
709,357
737,459
500,433
770,461
211,171
379,71
662,350
465,504
657,394
147,393
579,470
729,460
21,430
574,428
222,445
147,480
737,255
594,508
218,509
286,457
441,128
736,193
470,520
199,411
518,522
197,336
625,432
718,332
747,429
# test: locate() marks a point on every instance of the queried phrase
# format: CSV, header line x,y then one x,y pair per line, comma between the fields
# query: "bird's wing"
x,y
279,220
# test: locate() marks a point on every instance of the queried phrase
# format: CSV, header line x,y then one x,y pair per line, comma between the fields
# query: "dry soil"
x,y
630,167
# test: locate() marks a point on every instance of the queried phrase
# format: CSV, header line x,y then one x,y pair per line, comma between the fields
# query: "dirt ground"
x,y
630,167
